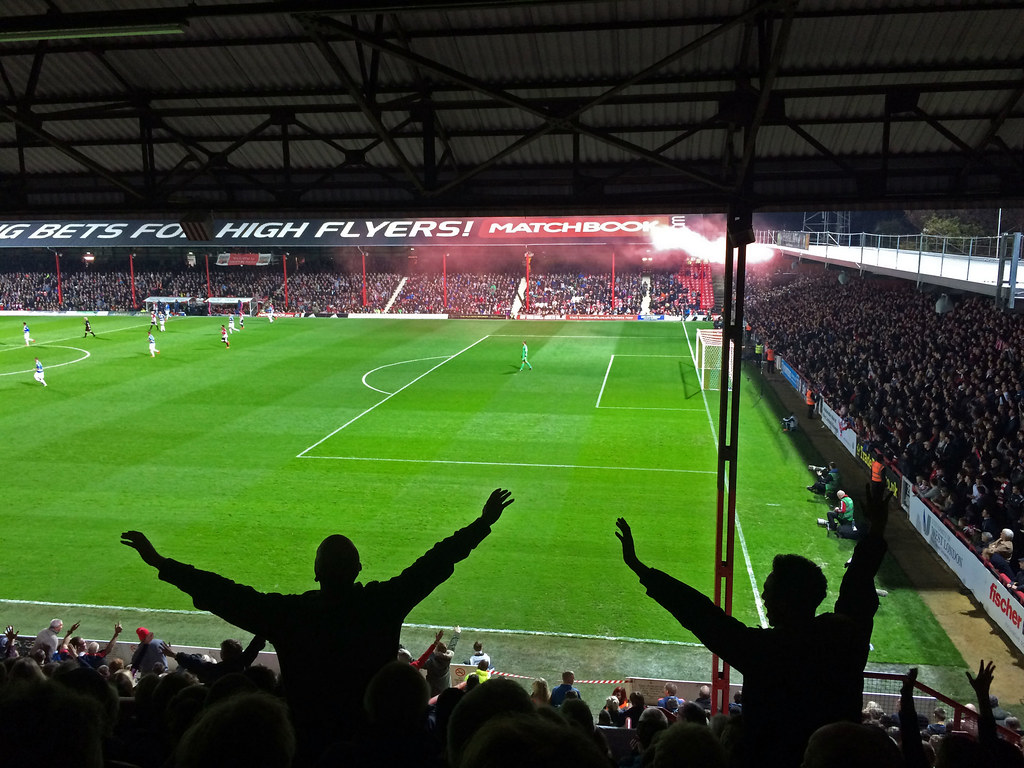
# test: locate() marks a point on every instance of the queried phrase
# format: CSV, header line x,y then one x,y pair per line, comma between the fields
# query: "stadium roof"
x,y
286,106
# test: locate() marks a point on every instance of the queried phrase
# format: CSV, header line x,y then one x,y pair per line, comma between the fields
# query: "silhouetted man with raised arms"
x,y
817,661
359,623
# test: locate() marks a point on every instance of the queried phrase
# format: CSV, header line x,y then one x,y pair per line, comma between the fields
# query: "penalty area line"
x,y
381,402
515,464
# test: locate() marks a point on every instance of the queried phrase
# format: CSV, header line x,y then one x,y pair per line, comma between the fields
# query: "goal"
x,y
709,359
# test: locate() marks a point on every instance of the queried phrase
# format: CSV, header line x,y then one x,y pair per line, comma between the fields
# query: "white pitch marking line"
x,y
567,336
739,528
55,365
513,464
643,408
381,402
401,362
609,370
526,632
106,607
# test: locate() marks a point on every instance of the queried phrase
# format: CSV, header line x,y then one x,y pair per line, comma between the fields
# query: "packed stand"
x,y
682,293
84,706
565,293
467,294
939,396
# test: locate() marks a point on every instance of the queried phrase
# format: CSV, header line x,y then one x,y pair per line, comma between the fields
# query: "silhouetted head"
x,y
793,590
337,562
230,649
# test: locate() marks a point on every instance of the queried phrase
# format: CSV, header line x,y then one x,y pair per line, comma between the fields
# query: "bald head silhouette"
x,y
337,563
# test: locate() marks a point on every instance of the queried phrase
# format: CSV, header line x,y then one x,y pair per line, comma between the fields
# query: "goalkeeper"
x,y
525,362
826,479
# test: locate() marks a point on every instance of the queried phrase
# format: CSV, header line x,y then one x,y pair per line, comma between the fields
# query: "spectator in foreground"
x,y
438,664
149,655
800,655
232,659
558,695
539,693
363,621
89,654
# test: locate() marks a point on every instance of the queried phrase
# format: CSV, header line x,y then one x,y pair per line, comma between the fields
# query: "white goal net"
x,y
709,359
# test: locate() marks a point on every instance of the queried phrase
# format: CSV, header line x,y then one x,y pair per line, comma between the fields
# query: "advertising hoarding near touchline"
x,y
448,232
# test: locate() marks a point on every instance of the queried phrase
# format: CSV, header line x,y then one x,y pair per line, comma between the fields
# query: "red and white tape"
x,y
575,682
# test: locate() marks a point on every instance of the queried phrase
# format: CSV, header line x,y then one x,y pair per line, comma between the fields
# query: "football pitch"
x,y
394,432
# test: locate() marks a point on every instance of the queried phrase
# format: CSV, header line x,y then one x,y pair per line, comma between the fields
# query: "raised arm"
x,y
252,650
142,545
438,563
64,647
456,634
625,536
913,749
857,596
12,638
237,604
693,610
981,685
113,640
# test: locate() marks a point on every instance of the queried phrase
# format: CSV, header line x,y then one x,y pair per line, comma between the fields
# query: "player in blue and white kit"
x,y
28,335
153,351
38,376
161,318
231,323
270,312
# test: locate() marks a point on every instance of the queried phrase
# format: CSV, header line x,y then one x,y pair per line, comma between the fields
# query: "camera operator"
x,y
789,423
826,479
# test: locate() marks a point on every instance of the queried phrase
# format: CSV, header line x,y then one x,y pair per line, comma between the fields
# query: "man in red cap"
x,y
148,654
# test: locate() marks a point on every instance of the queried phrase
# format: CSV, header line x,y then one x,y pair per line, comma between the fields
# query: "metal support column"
x,y
740,235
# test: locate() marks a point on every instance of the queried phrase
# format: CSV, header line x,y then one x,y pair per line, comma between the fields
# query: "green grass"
x,y
241,460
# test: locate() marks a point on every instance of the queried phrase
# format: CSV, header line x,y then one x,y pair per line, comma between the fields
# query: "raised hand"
x,y
908,683
495,505
625,535
141,544
876,510
983,681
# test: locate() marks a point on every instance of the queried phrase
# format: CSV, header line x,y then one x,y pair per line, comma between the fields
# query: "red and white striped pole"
x,y
60,295
131,272
285,262
363,254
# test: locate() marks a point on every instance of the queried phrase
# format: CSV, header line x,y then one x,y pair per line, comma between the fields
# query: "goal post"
x,y
708,360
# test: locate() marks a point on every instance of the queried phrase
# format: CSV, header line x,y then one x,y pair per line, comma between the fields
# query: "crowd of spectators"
x,y
568,293
458,293
939,396
71,707
314,291
684,292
